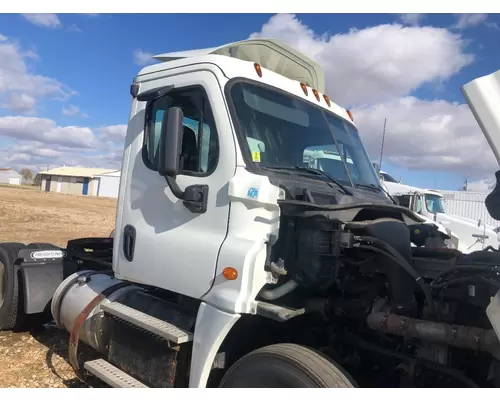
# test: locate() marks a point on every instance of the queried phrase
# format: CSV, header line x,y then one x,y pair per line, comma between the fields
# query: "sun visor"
x,y
268,53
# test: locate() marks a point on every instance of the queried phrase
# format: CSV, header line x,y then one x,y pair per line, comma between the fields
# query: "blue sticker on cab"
x,y
253,193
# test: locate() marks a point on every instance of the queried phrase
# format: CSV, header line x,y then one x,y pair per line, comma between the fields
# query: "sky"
x,y
65,78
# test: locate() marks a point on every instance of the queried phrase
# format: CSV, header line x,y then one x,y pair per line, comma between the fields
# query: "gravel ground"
x,y
39,359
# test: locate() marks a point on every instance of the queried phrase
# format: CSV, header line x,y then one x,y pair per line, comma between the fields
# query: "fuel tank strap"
x,y
79,321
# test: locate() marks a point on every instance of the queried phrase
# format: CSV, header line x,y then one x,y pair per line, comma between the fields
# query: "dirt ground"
x,y
27,215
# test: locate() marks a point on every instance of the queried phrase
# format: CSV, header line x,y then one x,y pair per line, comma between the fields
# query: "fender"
x,y
42,271
212,327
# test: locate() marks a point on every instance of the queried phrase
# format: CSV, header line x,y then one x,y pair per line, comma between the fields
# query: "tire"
x,y
43,246
285,365
10,312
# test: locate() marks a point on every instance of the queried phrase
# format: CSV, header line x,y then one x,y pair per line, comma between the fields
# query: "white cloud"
x,y
113,132
20,102
46,131
19,87
44,20
412,19
492,25
74,28
483,185
72,110
376,63
426,135
469,20
142,58
34,140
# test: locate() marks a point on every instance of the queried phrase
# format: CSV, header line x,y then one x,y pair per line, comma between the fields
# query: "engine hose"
x,y
467,279
467,268
392,251
465,337
410,270
280,291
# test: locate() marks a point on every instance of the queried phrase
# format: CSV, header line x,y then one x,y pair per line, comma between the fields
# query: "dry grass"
x,y
29,216
40,359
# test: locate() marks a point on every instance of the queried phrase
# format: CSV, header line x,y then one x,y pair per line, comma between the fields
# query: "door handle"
x,y
129,235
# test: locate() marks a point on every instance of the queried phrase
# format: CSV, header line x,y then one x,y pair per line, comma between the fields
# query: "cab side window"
x,y
418,205
200,144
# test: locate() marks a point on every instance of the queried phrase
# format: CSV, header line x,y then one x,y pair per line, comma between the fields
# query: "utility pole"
x,y
382,147
466,184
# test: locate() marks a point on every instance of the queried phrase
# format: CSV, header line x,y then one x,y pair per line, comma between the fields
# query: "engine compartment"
x,y
400,308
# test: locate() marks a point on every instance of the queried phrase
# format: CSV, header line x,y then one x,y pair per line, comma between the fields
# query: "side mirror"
x,y
170,145
194,197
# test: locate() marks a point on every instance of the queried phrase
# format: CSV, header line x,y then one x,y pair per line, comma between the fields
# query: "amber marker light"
x,y
258,69
304,88
316,94
230,273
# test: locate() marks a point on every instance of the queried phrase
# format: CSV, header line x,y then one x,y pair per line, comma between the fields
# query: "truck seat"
x,y
189,153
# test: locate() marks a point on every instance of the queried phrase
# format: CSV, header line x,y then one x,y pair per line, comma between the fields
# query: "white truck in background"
x,y
469,235
406,196
236,264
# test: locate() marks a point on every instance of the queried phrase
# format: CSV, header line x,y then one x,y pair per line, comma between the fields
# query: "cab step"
x,y
151,324
113,376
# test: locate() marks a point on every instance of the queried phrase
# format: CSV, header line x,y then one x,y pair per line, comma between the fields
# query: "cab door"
x,y
160,242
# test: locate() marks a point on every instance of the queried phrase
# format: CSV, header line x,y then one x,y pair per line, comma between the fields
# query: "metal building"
x,y
10,177
107,184
73,180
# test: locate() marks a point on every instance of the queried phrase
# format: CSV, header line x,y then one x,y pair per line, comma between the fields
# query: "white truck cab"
x,y
469,235
254,247
386,177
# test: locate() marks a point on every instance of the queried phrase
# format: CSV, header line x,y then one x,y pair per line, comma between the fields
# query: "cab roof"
x,y
270,54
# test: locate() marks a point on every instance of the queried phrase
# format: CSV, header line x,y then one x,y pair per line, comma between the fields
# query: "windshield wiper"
x,y
370,186
312,171
376,188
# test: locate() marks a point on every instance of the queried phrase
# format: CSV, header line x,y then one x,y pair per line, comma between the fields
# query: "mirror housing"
x,y
170,145
194,197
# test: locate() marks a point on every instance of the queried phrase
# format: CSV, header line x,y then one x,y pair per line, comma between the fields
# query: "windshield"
x,y
404,200
434,204
388,178
282,130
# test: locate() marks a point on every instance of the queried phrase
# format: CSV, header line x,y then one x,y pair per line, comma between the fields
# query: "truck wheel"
x,y
285,365
9,286
43,246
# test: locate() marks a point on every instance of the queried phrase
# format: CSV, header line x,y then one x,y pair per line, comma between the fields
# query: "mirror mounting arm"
x,y
194,197
174,187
